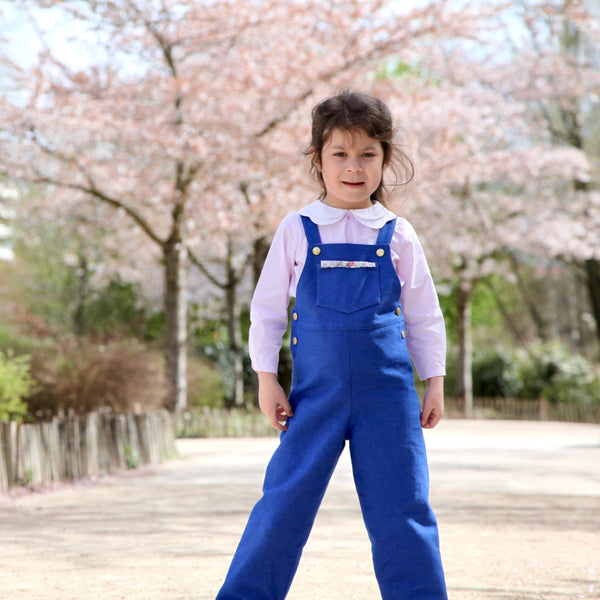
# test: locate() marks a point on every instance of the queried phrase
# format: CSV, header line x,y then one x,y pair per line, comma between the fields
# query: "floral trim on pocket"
x,y
347,264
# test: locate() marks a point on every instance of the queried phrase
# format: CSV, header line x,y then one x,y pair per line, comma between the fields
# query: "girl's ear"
x,y
316,159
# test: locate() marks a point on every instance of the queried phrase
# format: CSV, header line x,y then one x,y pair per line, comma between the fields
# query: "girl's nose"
x,y
354,164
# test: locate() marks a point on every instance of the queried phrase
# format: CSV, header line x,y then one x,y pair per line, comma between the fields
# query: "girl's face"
x,y
352,168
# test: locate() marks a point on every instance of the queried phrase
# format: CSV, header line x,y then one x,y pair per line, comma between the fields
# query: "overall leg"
x,y
391,480
391,474
296,479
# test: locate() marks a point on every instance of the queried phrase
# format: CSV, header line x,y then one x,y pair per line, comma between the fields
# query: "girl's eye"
x,y
369,154
340,154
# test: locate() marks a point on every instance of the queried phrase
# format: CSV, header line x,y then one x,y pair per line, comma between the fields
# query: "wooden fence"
x,y
213,422
76,447
219,422
532,410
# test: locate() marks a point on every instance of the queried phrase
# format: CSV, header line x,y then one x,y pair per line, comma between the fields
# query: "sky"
x,y
21,42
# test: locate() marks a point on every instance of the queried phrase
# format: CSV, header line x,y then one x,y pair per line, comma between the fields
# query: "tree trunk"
x,y
176,325
541,324
465,347
234,330
592,271
260,250
235,345
83,279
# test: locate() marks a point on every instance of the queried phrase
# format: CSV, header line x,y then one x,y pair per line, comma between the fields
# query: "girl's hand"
x,y
272,400
433,403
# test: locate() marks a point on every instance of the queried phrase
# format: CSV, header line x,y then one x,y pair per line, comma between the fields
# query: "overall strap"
x,y
386,232
312,231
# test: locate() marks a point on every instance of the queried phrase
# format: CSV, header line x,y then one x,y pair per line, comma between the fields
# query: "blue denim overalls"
x,y
352,380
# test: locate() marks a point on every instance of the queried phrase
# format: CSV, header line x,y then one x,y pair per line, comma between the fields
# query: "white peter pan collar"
x,y
375,216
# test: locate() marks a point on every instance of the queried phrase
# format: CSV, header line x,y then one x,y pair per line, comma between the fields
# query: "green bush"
x,y
205,384
496,373
114,307
16,384
208,339
560,376
547,371
11,339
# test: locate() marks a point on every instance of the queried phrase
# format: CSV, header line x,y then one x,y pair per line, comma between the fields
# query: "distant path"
x,y
518,505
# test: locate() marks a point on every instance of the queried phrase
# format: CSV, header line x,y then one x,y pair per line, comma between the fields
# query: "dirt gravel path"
x,y
518,505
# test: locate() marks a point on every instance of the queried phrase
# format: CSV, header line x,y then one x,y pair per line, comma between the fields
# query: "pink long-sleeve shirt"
x,y
424,323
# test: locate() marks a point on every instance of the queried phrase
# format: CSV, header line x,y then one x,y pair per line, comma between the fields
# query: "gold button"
x,y
403,335
398,311
295,316
316,250
295,339
380,252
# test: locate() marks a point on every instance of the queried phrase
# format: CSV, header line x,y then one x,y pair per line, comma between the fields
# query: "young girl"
x,y
365,304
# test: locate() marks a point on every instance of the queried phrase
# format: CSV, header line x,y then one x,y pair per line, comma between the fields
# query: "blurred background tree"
x,y
157,145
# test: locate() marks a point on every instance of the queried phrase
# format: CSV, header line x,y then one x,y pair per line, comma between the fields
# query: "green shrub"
x,y
114,307
16,384
205,384
547,371
11,339
496,373
560,376
209,342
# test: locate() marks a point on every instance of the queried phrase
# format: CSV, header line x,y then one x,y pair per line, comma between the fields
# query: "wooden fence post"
x,y
133,442
5,457
118,430
92,454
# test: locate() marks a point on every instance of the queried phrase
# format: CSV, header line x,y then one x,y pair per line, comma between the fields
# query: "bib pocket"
x,y
348,286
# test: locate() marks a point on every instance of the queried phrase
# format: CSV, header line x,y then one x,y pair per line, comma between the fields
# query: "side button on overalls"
x,y
352,380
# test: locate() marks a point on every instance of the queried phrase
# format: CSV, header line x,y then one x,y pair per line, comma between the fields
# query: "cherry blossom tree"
x,y
555,71
186,115
528,188
570,109
479,194
493,181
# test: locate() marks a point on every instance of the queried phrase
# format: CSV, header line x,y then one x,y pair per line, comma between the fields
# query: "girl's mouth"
x,y
354,184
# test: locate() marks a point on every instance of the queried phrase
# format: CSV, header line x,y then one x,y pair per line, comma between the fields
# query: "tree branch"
x,y
195,260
